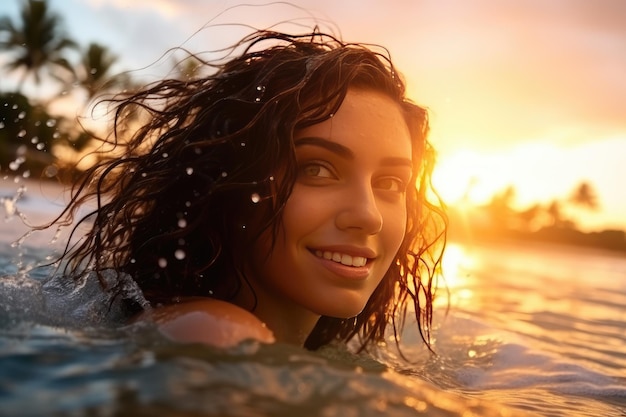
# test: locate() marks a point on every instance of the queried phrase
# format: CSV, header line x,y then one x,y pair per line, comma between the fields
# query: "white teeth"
x,y
342,258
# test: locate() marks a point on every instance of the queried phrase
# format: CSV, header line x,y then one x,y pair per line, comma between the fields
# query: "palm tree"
x,y
37,39
94,73
584,196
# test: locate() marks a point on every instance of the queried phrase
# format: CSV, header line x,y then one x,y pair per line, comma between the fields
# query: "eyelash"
x,y
318,165
399,185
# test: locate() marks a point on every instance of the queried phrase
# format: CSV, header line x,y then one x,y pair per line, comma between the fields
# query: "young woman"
x,y
283,196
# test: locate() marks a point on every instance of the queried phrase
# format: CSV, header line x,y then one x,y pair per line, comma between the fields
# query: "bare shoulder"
x,y
206,320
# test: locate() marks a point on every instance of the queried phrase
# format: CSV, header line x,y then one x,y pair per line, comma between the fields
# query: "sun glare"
x,y
466,178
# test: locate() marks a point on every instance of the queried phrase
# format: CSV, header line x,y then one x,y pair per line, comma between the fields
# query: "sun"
x,y
466,177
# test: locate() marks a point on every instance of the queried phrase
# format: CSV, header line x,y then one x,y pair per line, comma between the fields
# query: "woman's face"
x,y
345,219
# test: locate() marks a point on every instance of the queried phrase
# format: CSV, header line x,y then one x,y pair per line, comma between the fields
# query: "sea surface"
x,y
519,330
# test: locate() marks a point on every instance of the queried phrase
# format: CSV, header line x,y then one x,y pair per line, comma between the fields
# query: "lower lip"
x,y
345,271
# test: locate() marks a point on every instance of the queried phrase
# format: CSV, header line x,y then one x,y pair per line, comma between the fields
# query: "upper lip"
x,y
348,250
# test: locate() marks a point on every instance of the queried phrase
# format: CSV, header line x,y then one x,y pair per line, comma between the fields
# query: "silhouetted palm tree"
x,y
37,39
94,74
584,196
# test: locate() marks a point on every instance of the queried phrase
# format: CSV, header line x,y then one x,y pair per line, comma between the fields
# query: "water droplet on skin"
x,y
189,171
182,223
51,123
179,254
162,262
255,197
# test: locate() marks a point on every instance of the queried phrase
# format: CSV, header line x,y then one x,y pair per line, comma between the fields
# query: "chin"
x,y
345,312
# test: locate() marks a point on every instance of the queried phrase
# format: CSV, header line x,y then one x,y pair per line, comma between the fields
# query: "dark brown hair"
x,y
182,201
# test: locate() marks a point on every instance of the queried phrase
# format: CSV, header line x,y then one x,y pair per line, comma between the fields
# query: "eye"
x,y
314,169
390,184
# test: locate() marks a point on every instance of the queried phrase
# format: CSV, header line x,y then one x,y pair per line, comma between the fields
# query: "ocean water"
x,y
522,330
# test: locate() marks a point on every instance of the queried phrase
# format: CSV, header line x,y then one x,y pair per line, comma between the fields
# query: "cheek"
x,y
394,227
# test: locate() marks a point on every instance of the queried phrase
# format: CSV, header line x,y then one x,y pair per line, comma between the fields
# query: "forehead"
x,y
366,119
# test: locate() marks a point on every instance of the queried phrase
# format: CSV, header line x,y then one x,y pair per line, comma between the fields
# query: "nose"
x,y
359,211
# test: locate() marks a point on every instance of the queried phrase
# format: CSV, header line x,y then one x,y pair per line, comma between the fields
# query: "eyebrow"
x,y
345,152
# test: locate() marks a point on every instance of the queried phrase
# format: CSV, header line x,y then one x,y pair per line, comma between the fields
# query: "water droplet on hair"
x,y
26,174
331,115
180,254
34,140
14,107
243,144
187,203
165,155
21,115
197,150
144,175
271,178
162,262
133,260
40,146
258,99
51,122
1,125
182,223
189,170
224,174
21,133
243,226
255,197
260,88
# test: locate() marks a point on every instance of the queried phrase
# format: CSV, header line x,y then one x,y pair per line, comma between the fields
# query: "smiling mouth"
x,y
342,258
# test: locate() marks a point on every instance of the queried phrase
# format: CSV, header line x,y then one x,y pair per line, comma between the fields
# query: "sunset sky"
x,y
530,93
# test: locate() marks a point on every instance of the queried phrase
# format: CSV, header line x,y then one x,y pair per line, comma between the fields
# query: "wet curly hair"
x,y
181,201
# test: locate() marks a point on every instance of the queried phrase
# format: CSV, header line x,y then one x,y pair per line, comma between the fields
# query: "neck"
x,y
289,322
